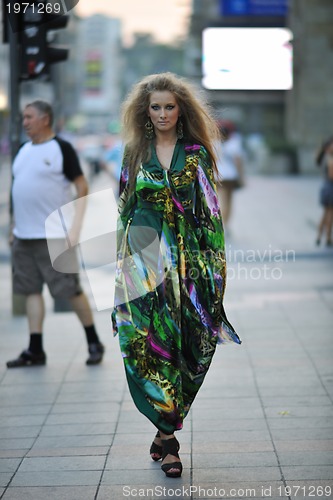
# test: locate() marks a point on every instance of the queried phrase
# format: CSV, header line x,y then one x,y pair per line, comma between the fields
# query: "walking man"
x,y
43,171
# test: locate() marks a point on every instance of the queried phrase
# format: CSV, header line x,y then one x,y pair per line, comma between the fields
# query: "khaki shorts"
x,y
32,268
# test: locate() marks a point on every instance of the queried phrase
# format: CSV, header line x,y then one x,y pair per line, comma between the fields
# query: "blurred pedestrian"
x,y
169,306
43,171
325,161
230,168
113,159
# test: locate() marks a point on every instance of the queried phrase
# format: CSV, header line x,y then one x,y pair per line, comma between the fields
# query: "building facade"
x,y
293,121
100,68
309,108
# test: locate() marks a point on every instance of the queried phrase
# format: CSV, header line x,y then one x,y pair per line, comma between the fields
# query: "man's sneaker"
x,y
96,352
28,358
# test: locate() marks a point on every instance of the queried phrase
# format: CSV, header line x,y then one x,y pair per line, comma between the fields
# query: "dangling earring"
x,y
180,130
149,134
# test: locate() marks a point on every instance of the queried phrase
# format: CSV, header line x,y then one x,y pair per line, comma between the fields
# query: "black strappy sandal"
x,y
156,449
171,447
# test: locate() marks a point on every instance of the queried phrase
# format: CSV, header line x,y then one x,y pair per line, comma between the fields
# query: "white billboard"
x,y
247,58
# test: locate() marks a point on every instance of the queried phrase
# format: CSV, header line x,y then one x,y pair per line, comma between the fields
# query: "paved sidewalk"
x,y
262,424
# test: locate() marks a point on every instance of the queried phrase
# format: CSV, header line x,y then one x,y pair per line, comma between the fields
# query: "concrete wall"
x,y
309,109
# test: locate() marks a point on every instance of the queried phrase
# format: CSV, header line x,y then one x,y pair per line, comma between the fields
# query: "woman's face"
x,y
163,111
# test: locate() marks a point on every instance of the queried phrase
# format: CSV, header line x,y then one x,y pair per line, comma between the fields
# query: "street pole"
x,y
14,86
18,301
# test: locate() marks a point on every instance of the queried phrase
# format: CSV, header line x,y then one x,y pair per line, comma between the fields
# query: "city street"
x,y
262,424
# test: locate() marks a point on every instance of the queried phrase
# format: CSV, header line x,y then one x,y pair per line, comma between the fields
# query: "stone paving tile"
x,y
12,453
9,411
231,435
294,434
304,445
69,463
306,458
287,345
234,413
30,431
9,464
72,441
245,424
132,418
224,459
275,380
242,391
322,349
83,387
51,493
302,411
291,422
31,375
290,390
111,369
66,452
78,429
57,478
136,454
125,447
22,420
83,418
308,472
60,408
16,444
17,400
117,462
232,447
129,406
5,477
139,439
138,425
256,324
138,476
236,474
234,403
96,396
27,395
309,321
300,389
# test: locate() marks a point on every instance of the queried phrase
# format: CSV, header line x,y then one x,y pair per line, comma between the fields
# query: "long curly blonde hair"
x,y
198,123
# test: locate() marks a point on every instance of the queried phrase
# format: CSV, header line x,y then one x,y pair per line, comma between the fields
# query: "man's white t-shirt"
x,y
42,177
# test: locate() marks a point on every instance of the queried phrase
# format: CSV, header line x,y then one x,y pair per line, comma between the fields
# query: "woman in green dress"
x,y
171,268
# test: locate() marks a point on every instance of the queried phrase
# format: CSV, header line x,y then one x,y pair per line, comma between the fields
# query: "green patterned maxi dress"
x,y
170,282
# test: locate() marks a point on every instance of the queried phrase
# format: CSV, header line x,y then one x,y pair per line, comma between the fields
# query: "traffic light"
x,y
36,52
33,43
56,54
